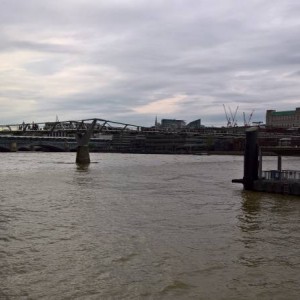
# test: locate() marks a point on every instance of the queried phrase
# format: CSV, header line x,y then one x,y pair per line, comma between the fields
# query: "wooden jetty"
x,y
273,181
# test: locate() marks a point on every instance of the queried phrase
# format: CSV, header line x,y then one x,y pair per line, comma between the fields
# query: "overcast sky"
x,y
133,60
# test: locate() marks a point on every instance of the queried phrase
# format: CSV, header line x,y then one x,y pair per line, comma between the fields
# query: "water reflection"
x,y
82,167
251,207
83,176
251,202
251,227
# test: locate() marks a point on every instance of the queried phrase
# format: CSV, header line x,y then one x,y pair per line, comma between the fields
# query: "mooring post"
x,y
279,163
83,139
260,161
250,159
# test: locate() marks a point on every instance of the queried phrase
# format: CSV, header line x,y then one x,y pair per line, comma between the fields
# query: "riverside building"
x,y
283,119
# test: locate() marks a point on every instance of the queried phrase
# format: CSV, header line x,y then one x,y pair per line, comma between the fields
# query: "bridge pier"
x,y
83,139
13,147
83,155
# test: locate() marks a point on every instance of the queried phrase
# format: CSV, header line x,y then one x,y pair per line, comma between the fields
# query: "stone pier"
x,y
83,139
13,147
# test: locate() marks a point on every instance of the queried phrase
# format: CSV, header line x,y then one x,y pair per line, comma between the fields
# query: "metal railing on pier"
x,y
284,175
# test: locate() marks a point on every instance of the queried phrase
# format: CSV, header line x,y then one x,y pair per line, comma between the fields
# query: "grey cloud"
x,y
225,52
294,74
35,46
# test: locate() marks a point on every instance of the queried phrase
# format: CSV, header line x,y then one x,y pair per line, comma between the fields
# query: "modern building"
x,y
195,124
283,119
172,123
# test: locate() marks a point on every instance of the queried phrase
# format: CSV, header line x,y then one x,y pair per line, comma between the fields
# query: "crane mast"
x,y
231,120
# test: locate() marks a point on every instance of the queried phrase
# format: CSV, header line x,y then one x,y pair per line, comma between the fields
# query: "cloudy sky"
x,y
133,60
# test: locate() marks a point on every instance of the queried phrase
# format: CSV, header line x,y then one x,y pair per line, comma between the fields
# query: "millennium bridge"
x,y
66,128
103,135
70,135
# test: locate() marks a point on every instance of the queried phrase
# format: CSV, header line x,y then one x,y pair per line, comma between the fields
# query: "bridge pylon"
x,y
83,139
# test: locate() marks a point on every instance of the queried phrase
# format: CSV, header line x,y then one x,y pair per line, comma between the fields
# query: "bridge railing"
x,y
284,175
71,125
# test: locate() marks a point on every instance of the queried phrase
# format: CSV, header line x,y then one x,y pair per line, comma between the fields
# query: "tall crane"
x,y
233,116
231,120
247,122
227,117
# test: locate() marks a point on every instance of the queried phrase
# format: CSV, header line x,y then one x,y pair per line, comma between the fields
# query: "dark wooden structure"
x,y
273,181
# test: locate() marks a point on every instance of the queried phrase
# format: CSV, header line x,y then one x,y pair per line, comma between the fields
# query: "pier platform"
x,y
272,181
279,187
282,182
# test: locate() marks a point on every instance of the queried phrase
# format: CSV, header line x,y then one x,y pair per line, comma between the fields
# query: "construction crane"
x,y
233,116
247,122
227,117
231,120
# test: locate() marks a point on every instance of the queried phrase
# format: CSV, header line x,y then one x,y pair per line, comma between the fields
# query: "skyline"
x,y
130,61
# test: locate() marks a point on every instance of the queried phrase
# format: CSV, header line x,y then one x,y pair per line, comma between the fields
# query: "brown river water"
x,y
143,227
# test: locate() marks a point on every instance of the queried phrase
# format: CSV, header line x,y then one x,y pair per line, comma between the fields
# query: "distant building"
x,y
194,124
172,124
283,119
156,124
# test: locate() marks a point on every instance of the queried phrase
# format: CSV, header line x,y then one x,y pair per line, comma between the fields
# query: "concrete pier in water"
x,y
83,139
83,155
273,181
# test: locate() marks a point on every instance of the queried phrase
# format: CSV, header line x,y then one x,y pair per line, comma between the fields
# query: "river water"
x,y
143,227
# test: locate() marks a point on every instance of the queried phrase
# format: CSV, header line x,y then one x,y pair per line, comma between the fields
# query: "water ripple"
x,y
142,227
